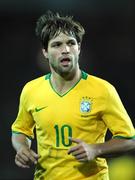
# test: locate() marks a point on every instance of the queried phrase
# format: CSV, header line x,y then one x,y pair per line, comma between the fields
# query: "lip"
x,y
65,61
68,58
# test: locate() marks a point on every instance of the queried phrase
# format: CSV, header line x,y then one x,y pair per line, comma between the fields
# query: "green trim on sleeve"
x,y
122,137
16,132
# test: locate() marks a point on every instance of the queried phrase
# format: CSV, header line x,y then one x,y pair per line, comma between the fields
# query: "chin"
x,y
67,69
67,73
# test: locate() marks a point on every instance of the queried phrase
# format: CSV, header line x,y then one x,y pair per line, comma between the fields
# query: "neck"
x,y
63,83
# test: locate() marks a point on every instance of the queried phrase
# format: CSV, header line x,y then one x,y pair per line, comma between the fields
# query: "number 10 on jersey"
x,y
62,134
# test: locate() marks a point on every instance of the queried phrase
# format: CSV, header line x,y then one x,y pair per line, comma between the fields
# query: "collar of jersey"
x,y
83,76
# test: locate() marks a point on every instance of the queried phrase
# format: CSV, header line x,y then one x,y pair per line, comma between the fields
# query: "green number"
x,y
62,135
57,136
63,128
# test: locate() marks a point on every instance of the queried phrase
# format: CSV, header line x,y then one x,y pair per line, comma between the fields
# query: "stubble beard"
x,y
65,71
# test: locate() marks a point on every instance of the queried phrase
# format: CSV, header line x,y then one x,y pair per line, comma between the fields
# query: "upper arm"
x,y
116,117
24,122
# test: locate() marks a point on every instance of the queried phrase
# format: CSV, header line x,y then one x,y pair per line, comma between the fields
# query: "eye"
x,y
71,43
57,44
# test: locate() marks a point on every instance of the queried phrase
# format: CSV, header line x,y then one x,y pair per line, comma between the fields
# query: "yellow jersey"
x,y
85,112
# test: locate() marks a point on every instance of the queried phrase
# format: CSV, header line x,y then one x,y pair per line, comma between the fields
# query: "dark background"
x,y
107,52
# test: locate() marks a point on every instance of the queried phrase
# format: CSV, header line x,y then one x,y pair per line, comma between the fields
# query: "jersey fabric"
x,y
85,112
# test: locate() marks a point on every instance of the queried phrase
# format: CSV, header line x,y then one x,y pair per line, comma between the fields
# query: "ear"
x,y
45,53
79,47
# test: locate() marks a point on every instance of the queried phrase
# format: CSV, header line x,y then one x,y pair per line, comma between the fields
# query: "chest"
x,y
75,109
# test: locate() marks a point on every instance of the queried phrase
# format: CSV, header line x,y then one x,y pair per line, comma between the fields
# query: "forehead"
x,y
62,38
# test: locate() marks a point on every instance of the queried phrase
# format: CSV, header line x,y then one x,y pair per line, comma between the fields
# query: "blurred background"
x,y
107,52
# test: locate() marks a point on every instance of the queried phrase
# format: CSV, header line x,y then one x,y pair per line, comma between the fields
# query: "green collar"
x,y
47,77
84,75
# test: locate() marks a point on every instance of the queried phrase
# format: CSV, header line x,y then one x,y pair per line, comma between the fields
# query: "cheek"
x,y
76,51
53,55
53,58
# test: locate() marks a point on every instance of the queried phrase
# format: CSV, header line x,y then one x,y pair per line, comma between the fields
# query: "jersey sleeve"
x,y
24,122
116,117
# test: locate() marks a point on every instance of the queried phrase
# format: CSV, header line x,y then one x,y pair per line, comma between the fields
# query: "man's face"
x,y
63,54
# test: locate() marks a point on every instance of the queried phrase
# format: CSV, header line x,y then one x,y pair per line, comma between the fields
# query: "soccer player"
x,y
70,110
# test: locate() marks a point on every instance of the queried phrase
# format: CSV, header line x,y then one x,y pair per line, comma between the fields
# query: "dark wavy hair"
x,y
51,24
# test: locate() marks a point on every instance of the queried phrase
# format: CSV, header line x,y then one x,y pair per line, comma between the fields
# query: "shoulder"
x,y
99,81
98,84
34,82
30,86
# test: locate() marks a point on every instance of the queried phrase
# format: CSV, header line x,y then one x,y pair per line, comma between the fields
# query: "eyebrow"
x,y
59,41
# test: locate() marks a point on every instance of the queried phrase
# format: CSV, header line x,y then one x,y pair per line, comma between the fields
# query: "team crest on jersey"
x,y
85,104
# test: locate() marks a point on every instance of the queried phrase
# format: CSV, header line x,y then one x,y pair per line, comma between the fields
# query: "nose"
x,y
65,49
